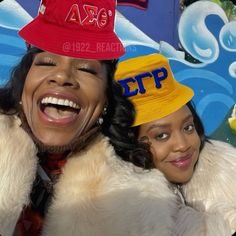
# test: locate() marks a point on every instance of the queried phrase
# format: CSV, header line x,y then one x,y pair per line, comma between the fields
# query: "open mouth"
x,y
58,108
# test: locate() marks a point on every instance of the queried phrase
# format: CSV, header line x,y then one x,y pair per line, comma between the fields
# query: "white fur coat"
x,y
212,189
96,195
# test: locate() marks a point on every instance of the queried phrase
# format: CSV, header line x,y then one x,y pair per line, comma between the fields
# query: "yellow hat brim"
x,y
154,109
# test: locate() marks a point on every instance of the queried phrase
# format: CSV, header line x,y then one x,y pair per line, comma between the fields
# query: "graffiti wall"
x,y
206,31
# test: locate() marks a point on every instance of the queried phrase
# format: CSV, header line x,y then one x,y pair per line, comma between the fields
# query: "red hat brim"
x,y
72,43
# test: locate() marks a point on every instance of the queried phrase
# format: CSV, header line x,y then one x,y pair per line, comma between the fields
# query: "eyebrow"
x,y
165,125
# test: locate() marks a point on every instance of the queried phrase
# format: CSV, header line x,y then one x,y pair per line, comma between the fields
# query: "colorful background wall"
x,y
200,43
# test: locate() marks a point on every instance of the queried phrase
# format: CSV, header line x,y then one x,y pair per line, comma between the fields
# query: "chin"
x,y
49,143
54,148
185,180
54,139
180,180
46,145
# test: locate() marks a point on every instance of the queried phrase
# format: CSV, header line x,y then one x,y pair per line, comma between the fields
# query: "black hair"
x,y
10,94
198,124
117,126
134,133
117,121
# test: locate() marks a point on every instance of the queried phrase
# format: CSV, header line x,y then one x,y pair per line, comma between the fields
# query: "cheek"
x,y
25,98
160,153
197,144
98,91
100,96
27,95
94,91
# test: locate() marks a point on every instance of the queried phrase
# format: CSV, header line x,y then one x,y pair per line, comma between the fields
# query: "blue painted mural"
x,y
205,32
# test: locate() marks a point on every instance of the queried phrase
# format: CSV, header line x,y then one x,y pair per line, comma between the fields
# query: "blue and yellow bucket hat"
x,y
149,84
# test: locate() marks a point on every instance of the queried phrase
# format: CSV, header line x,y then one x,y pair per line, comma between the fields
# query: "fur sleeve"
x,y
196,223
98,194
17,170
212,188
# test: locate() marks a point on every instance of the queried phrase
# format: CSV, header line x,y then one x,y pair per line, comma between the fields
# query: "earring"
x,y
100,119
104,111
20,102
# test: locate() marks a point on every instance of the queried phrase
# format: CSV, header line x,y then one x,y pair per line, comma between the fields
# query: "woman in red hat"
x,y
67,164
201,172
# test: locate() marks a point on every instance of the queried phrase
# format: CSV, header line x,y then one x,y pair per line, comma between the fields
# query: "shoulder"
x,y
7,122
12,136
217,163
216,149
212,187
18,163
100,160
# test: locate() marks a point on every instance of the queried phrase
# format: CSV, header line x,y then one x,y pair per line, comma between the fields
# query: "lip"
x,y
61,121
182,162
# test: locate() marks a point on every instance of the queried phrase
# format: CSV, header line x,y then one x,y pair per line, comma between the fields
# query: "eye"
x,y
88,70
162,136
45,62
189,128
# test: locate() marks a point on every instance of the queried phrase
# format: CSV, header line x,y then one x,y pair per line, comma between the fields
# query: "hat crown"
x,y
153,74
75,28
149,83
88,15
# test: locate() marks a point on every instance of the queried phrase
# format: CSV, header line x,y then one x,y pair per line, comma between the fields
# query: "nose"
x,y
180,143
64,77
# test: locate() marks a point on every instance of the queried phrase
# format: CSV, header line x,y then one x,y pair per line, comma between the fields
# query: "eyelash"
x,y
192,127
88,70
45,63
158,137
51,63
186,128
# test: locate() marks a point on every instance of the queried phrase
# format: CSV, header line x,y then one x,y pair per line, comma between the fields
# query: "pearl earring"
x,y
104,110
100,121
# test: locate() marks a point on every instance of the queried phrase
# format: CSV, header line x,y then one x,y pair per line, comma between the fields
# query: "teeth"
x,y
60,101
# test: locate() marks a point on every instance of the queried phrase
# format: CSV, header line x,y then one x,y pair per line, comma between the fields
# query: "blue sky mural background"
x,y
205,34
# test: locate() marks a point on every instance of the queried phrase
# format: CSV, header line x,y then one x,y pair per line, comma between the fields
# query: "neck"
x,y
177,190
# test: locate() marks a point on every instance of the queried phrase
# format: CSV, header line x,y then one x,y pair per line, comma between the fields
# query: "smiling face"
x,y
175,144
63,97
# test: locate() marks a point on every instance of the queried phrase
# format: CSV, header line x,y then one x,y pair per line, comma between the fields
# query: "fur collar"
x,y
212,188
97,193
18,164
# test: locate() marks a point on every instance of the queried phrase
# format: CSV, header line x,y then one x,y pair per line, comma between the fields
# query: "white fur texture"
x,y
196,223
99,195
213,187
17,170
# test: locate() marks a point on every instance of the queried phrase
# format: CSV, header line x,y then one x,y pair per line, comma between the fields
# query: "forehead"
x,y
181,113
179,116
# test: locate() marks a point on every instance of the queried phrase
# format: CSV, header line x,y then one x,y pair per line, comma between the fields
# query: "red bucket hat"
x,y
75,28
